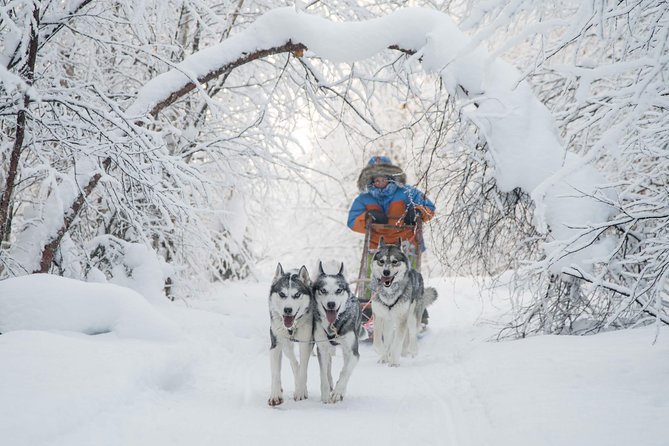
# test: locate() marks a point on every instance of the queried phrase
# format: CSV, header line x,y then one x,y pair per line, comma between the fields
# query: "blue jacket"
x,y
395,206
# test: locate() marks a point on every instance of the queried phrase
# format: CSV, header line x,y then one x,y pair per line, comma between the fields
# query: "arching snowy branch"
x,y
522,140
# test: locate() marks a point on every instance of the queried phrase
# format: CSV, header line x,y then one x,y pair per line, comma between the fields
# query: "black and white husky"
x,y
337,321
291,321
398,302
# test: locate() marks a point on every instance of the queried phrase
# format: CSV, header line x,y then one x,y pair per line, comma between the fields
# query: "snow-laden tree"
x,y
119,154
83,181
82,177
601,69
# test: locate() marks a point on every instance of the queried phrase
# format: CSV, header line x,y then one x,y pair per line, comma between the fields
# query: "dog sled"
x,y
364,283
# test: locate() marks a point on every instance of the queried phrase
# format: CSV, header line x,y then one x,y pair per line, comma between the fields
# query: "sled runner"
x,y
363,287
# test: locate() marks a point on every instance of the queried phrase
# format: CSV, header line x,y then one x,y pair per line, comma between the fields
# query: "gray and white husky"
x,y
337,322
398,302
291,321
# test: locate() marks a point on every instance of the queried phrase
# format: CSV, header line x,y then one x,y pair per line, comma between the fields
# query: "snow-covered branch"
x,y
520,133
192,115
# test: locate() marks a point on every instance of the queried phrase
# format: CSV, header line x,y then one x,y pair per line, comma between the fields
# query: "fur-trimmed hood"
x,y
380,166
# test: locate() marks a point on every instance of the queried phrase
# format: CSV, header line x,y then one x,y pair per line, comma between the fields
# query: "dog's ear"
x,y
303,274
341,269
279,271
398,243
381,242
320,268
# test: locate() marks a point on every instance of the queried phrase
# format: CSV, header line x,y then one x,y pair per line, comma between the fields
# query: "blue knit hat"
x,y
379,159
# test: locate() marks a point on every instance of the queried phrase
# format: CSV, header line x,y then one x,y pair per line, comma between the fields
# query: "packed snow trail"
x,y
210,384
404,405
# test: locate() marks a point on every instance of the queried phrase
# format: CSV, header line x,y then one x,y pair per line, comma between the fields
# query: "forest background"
x,y
259,163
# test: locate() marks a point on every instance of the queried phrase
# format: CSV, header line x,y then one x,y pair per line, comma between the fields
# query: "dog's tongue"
x,y
387,280
331,315
288,321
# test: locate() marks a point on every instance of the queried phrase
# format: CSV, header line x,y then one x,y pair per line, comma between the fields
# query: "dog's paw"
x,y
300,395
275,400
336,397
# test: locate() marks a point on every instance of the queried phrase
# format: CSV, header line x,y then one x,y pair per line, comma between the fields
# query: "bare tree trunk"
x,y
28,74
50,248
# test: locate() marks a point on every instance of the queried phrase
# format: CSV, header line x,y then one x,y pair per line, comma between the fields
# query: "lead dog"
x,y
337,322
398,302
291,321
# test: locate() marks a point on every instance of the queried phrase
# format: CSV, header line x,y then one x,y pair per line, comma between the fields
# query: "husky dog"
x,y
398,302
291,320
337,322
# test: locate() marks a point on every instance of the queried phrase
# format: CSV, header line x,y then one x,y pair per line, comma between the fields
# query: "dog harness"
x,y
376,294
332,335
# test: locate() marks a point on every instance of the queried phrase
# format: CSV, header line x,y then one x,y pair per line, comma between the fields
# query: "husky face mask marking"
x,y
389,265
331,293
289,295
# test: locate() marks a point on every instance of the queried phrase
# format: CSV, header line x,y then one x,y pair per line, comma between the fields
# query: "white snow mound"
x,y
49,302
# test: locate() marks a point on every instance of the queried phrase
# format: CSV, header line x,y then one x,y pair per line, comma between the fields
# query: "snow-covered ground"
x,y
91,364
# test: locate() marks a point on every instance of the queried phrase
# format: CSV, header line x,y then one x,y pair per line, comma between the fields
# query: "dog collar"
x,y
376,295
291,333
332,334
391,305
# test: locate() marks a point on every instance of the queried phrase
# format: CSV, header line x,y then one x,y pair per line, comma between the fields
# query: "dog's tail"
x,y
429,296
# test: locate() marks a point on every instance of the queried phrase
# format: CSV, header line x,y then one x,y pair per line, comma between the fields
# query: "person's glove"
x,y
377,216
410,216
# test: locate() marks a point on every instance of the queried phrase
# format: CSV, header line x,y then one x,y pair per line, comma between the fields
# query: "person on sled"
x,y
385,198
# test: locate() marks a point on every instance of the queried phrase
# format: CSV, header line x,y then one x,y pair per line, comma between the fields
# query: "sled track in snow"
x,y
427,400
